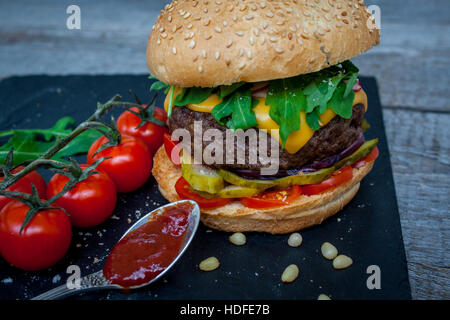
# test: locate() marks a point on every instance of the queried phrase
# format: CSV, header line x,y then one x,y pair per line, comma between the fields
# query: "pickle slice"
x,y
199,177
232,191
304,178
363,151
233,178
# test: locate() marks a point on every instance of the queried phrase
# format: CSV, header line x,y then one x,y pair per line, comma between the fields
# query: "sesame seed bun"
x,y
306,211
217,42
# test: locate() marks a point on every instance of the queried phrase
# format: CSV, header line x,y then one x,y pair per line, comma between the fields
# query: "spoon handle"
x,y
92,281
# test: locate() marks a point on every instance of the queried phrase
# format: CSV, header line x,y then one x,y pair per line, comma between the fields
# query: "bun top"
x,y
216,42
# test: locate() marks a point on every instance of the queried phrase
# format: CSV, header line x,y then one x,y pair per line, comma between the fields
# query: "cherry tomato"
x,y
184,192
130,164
42,243
273,198
151,133
338,177
172,150
24,185
89,202
370,157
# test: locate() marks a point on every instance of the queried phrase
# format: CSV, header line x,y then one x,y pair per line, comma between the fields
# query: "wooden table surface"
x,y
411,65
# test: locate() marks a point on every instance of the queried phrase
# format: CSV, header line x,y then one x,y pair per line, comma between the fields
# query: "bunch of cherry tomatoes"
x,y
47,237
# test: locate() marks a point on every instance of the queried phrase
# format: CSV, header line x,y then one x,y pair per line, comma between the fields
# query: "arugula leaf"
x,y
192,95
158,85
340,104
312,119
28,146
236,110
227,90
286,99
58,130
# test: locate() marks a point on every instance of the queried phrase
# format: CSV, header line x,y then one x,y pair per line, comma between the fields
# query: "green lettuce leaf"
x,y
286,99
236,110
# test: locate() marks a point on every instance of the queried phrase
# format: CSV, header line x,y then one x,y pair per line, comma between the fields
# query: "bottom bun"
x,y
304,212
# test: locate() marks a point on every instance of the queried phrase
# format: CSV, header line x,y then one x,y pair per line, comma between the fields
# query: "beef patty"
x,y
332,138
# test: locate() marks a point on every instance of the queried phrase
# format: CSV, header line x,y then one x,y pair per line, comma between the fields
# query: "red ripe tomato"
x,y
24,185
370,157
42,243
184,192
130,164
172,150
151,133
89,202
273,198
338,177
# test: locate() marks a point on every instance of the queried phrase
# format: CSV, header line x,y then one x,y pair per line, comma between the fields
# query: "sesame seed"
x,y
292,28
251,40
192,44
204,54
174,50
239,33
187,15
248,17
235,17
229,43
206,22
262,5
218,29
208,36
217,55
273,39
278,50
225,23
163,35
169,18
241,52
158,41
262,39
241,66
269,14
189,26
249,54
205,10
256,32
200,69
161,29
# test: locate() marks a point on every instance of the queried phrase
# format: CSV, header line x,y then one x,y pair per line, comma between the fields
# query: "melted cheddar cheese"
x,y
297,139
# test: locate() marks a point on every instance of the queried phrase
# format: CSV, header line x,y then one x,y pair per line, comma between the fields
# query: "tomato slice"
x,y
184,192
172,149
338,177
371,157
273,198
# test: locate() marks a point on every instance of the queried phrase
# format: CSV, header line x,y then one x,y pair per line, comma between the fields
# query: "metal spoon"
x,y
97,280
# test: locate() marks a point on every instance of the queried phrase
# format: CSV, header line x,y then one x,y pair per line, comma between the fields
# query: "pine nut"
x,y
295,239
238,239
290,273
328,251
342,262
323,297
209,264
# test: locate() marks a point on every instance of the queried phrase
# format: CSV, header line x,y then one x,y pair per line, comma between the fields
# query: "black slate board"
x,y
368,229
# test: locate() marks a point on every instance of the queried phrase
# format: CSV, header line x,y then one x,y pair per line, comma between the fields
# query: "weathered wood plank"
x,y
411,65
420,153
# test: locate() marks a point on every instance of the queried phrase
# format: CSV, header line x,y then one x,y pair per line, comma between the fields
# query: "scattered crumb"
x,y
129,220
114,217
96,260
7,280
56,278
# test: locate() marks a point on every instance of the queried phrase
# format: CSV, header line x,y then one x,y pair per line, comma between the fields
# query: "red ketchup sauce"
x,y
147,251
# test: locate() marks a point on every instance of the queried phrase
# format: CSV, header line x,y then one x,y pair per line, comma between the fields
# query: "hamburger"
x,y
274,76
